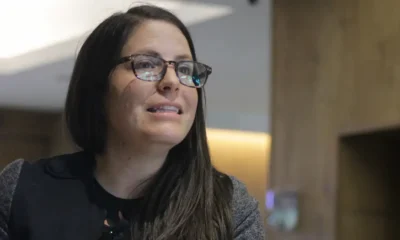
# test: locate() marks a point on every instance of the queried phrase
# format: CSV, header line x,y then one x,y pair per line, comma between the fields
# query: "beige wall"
x,y
244,155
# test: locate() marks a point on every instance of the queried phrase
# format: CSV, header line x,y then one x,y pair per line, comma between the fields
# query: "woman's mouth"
x,y
165,109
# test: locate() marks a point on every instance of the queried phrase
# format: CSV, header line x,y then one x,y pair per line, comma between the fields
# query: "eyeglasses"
x,y
152,68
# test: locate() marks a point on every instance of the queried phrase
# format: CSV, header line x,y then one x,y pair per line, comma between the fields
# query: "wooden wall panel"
x,y
335,71
24,134
371,63
304,121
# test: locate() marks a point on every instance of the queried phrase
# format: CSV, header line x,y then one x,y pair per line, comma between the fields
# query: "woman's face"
x,y
131,102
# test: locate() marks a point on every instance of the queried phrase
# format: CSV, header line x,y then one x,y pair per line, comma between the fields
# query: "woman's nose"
x,y
170,82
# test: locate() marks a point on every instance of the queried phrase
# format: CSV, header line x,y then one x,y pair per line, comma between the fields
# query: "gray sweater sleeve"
x,y
248,224
8,182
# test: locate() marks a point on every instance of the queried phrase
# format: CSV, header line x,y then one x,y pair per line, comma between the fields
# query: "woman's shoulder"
x,y
10,173
9,177
23,171
247,220
241,198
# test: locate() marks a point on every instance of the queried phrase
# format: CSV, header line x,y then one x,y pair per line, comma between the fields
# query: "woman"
x,y
135,108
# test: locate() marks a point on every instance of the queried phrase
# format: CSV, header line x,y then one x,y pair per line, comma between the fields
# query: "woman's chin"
x,y
166,135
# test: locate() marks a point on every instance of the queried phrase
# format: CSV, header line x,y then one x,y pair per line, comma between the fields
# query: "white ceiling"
x,y
37,54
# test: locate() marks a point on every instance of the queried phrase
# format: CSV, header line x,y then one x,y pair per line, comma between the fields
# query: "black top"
x,y
113,205
58,198
117,212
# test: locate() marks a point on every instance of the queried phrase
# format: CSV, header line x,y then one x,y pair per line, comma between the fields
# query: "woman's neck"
x,y
121,171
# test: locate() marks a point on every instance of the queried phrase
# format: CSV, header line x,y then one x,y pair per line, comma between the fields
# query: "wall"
x,y
335,72
24,135
238,91
244,155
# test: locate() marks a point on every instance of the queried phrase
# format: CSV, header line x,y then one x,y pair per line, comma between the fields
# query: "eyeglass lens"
x,y
149,68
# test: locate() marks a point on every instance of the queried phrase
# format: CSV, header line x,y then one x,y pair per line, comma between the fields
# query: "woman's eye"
x,y
144,64
185,70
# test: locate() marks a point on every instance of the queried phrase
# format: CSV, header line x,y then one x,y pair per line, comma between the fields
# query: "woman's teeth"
x,y
165,109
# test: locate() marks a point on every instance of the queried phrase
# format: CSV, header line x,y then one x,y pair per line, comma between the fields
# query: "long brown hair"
x,y
188,198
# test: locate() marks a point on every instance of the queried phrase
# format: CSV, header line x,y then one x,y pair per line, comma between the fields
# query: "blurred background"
x,y
303,104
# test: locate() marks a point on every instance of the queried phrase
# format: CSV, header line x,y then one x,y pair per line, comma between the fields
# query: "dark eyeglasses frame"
x,y
164,70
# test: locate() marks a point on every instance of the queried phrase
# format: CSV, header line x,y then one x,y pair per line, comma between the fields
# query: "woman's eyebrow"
x,y
156,54
183,57
149,52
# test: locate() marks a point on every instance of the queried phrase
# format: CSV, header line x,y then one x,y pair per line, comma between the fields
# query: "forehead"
x,y
157,36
